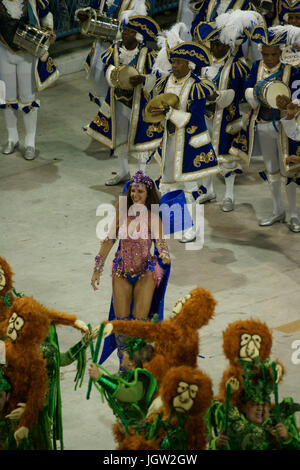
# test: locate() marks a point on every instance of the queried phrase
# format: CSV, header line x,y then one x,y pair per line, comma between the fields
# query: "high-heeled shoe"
x,y
272,220
10,147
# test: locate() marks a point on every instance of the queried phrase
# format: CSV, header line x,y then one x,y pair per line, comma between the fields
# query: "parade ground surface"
x,y
48,236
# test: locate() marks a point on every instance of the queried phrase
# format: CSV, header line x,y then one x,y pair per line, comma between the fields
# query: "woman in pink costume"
x,y
137,275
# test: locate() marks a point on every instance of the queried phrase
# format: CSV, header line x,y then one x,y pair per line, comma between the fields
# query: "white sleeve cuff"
x,y
291,128
108,74
47,21
249,95
179,118
149,83
225,98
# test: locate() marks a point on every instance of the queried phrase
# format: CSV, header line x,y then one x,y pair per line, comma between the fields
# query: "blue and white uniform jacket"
x,y
243,144
194,156
103,127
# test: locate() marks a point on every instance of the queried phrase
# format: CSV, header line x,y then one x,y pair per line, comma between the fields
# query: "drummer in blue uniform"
x,y
119,123
264,118
289,12
21,71
93,64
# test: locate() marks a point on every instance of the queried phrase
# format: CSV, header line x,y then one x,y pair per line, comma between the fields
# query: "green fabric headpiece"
x,y
258,382
133,344
8,299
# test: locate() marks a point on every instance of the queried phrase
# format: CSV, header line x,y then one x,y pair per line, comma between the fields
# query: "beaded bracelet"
x,y
99,266
162,246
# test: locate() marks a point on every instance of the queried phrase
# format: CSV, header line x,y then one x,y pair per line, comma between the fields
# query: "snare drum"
x,y
120,76
32,39
269,90
100,26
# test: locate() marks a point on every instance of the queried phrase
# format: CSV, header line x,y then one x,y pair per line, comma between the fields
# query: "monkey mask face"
x,y
186,394
2,278
27,323
15,324
250,346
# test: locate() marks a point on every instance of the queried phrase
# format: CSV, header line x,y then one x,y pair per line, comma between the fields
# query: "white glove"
x,y
81,325
16,414
21,433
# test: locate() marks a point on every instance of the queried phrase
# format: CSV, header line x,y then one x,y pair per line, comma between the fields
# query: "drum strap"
x,y
32,18
134,60
259,85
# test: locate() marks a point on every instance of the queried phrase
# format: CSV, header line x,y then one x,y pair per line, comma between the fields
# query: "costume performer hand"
x,y
106,332
95,280
282,431
83,15
137,80
234,384
21,433
16,414
81,326
221,440
213,97
293,159
282,101
279,372
159,111
94,372
165,258
291,110
52,37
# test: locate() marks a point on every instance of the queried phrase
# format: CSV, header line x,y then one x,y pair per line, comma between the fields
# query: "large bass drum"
x,y
32,39
100,26
269,90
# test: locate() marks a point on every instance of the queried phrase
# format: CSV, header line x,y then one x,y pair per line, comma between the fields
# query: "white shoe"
x,y
189,235
206,198
29,153
294,224
227,205
117,180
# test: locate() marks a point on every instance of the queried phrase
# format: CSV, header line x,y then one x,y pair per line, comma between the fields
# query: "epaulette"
x,y
239,70
107,54
43,4
203,89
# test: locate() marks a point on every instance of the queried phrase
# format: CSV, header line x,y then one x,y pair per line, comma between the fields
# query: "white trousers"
x,y
17,71
269,141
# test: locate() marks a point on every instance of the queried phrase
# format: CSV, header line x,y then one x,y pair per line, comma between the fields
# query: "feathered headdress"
x,y
292,33
266,37
166,40
234,23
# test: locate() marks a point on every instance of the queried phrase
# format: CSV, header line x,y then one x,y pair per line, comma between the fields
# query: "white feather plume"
x,y
234,22
138,7
14,9
293,33
168,39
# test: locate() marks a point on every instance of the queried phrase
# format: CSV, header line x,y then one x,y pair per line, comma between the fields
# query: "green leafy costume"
x,y
244,435
128,394
258,384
